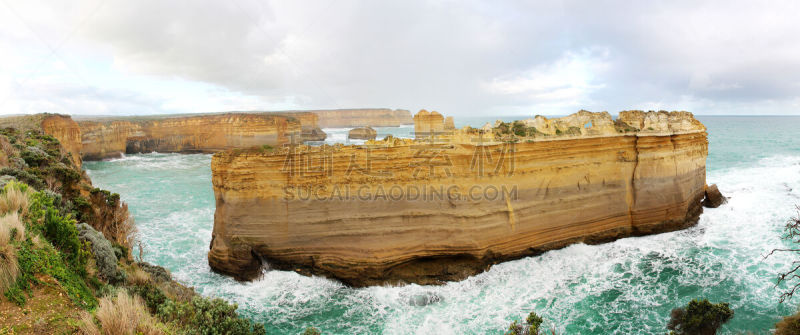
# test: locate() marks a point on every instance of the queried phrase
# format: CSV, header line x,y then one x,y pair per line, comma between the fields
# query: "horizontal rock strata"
x,y
187,134
365,133
348,212
348,118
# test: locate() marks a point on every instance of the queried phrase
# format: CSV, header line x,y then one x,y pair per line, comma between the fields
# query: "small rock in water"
x,y
713,197
424,299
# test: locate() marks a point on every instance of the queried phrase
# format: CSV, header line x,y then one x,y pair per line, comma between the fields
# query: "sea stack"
x,y
364,133
452,202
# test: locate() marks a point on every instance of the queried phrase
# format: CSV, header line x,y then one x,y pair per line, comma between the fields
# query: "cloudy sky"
x,y
466,58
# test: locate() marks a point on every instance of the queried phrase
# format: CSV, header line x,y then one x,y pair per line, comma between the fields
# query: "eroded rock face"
x,y
66,131
714,197
191,134
375,117
61,127
352,225
364,133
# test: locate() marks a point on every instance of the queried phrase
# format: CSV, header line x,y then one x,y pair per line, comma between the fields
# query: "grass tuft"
x,y
15,198
122,315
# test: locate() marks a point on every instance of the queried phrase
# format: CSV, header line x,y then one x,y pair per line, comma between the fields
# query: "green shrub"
x,y
519,128
312,331
24,176
153,297
208,316
531,326
34,156
103,252
61,232
46,260
699,317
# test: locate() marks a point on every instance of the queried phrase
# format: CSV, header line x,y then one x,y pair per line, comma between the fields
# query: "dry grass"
x,y
10,228
9,268
7,147
87,325
123,315
124,229
12,222
53,183
138,277
14,199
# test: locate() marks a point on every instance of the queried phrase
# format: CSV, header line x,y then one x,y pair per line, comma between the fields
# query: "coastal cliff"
x,y
188,134
428,210
61,127
363,117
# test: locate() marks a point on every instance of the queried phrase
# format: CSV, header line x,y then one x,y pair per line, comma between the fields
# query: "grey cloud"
x,y
445,54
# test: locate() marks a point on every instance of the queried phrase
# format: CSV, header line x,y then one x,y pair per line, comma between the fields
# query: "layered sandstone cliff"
x,y
61,127
422,211
202,133
363,117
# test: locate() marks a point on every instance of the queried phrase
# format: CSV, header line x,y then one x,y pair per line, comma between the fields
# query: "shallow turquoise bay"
x,y
628,286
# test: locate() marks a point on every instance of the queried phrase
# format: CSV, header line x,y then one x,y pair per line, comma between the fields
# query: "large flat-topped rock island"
x,y
452,202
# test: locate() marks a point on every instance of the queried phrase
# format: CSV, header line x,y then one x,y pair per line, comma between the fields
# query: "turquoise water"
x,y
627,286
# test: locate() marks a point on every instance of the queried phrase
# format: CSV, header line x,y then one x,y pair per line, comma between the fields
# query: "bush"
x,y
48,261
208,316
531,326
699,317
34,156
103,252
154,298
24,176
519,128
63,234
312,331
157,273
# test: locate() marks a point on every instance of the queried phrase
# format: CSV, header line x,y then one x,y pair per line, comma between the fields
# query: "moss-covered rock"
x,y
157,273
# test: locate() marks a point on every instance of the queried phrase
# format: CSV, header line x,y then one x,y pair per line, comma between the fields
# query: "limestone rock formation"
x,y
61,127
188,134
396,211
364,133
309,124
362,117
427,124
713,197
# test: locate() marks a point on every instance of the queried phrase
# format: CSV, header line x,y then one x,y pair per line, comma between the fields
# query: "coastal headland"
x,y
452,202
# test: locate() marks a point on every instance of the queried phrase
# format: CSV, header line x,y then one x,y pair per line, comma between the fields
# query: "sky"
x,y
461,58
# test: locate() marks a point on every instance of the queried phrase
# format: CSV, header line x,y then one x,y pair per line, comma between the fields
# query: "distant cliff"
x,y
424,211
188,134
348,118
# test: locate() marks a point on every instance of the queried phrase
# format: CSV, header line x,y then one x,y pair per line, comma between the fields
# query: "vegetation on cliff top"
x,y
59,236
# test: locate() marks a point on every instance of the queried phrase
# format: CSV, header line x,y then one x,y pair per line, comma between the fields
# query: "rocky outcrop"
x,y
365,133
427,124
106,138
66,131
395,211
375,117
309,124
61,127
713,197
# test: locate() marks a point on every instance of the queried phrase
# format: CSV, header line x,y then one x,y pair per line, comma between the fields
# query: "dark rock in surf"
x,y
713,198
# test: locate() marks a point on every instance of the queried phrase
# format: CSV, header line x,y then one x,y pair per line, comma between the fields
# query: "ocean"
x,y
628,286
